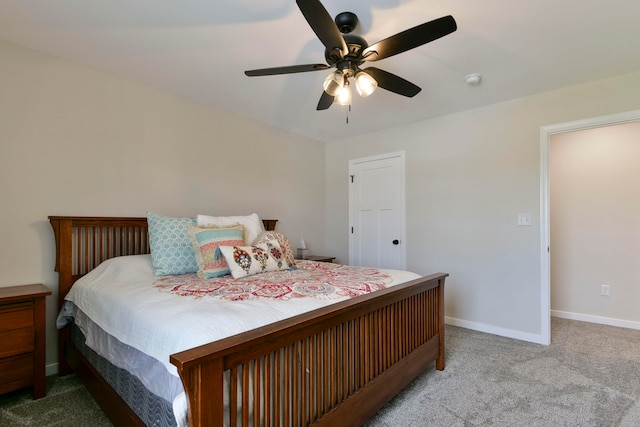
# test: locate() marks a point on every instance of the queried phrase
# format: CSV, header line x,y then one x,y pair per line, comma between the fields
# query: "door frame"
x,y
545,232
403,215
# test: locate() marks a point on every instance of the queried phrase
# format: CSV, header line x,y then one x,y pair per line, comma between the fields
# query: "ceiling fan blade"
x,y
411,38
323,25
393,83
325,102
286,70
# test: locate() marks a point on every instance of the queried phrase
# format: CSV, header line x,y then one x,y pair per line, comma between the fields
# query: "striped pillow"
x,y
205,242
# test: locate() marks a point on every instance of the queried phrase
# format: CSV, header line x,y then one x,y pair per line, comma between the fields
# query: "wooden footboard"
x,y
337,365
334,366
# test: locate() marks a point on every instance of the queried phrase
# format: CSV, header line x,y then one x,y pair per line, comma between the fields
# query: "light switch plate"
x,y
524,219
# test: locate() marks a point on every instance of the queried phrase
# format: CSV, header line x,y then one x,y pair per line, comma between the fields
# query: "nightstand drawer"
x,y
17,341
16,316
16,372
23,338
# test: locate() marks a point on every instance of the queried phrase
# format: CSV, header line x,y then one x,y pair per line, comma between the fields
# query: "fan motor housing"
x,y
355,46
346,22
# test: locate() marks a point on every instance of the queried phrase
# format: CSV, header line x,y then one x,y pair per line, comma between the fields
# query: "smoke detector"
x,y
473,79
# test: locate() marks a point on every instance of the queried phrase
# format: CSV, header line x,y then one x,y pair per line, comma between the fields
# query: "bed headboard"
x,y
83,242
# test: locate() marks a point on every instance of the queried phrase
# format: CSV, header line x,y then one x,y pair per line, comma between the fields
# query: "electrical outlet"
x,y
605,290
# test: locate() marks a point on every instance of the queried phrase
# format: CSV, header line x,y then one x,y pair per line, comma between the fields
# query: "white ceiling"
x,y
199,49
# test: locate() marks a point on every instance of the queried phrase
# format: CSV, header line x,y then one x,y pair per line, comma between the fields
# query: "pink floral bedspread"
x,y
310,279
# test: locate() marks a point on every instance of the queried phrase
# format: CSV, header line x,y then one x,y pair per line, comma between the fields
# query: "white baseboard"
x,y
509,333
51,369
535,338
596,319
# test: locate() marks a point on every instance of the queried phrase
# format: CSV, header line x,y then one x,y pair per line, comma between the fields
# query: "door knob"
x,y
396,241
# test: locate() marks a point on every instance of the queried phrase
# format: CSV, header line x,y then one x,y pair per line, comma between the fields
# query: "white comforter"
x,y
119,296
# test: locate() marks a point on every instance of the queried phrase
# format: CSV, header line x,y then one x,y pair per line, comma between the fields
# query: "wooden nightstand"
x,y
320,258
22,338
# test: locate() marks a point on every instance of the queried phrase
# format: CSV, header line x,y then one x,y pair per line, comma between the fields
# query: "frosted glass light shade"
x,y
333,83
344,97
365,84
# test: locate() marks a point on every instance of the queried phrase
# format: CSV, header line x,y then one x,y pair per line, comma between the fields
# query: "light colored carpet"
x,y
588,376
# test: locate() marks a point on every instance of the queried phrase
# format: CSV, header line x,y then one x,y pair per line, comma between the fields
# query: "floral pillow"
x,y
206,241
248,260
287,251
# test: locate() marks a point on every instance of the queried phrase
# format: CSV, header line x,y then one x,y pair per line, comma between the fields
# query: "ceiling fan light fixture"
x,y
344,97
347,52
333,83
365,84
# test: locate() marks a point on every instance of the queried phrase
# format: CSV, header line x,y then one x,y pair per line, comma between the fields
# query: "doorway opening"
x,y
545,232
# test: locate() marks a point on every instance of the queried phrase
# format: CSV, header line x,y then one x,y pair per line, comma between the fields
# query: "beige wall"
x,y
468,176
595,222
74,141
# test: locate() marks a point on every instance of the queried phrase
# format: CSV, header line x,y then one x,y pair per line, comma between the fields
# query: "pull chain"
x,y
348,111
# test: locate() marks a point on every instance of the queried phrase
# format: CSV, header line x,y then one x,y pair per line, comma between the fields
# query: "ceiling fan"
x,y
347,52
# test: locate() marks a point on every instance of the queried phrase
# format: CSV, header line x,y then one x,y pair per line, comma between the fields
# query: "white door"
x,y
376,211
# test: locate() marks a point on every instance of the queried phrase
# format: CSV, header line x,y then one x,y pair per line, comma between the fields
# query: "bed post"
x,y
63,238
440,358
204,385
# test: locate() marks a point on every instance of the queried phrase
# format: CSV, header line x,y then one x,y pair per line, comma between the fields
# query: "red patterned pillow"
x,y
282,240
249,260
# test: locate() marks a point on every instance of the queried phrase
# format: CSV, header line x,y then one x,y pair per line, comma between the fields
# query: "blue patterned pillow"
x,y
171,248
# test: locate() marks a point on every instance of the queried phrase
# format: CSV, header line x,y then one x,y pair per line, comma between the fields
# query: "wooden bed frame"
x,y
337,365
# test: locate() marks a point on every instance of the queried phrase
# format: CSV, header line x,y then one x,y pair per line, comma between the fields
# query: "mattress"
x,y
137,320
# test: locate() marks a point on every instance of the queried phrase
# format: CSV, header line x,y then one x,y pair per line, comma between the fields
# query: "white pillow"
x,y
252,224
